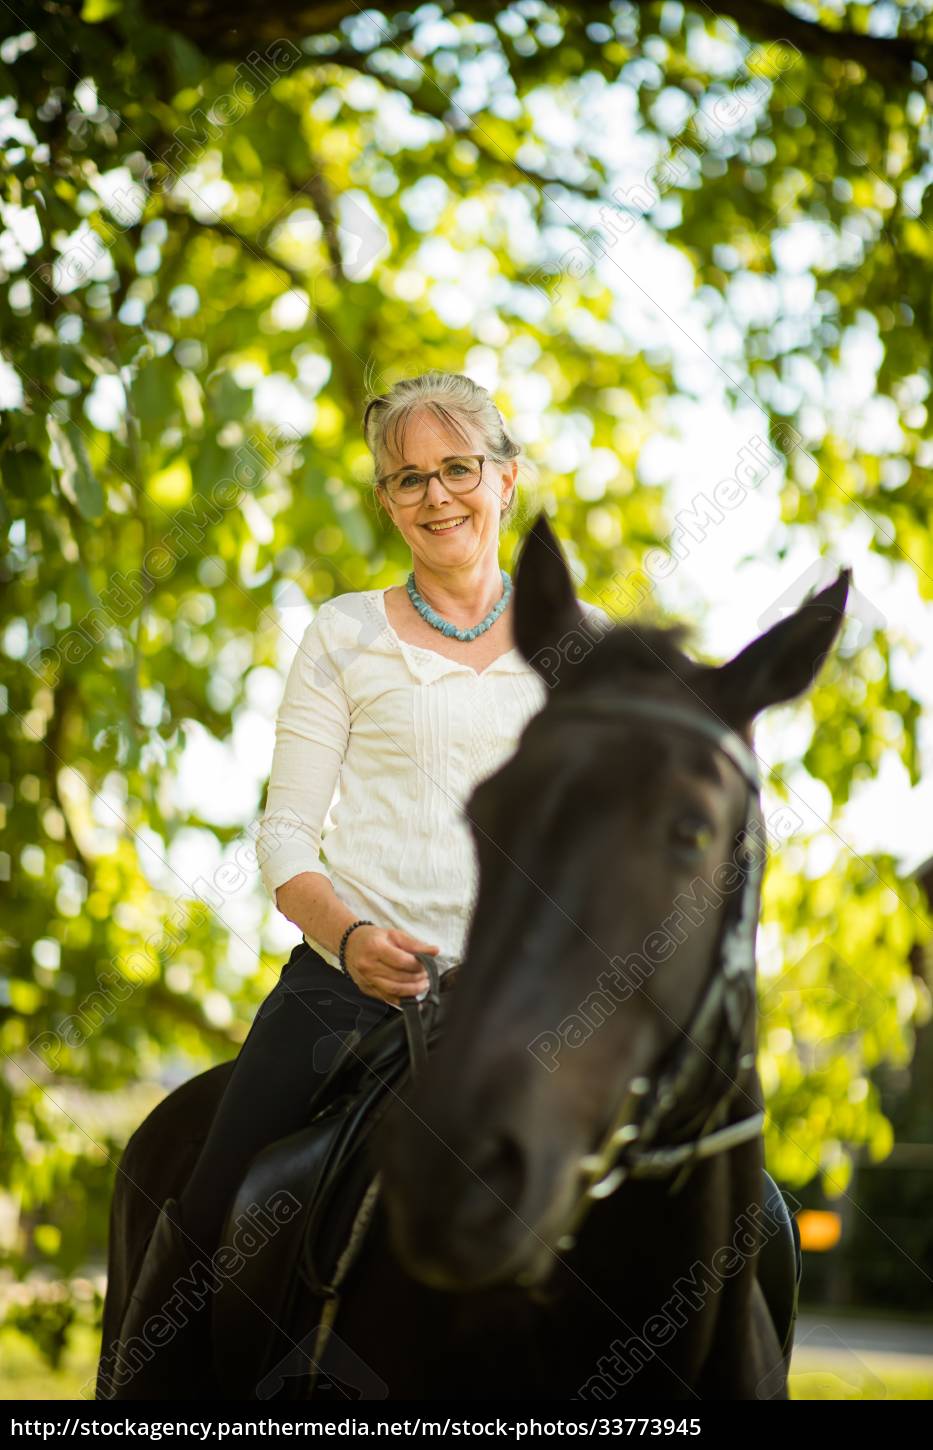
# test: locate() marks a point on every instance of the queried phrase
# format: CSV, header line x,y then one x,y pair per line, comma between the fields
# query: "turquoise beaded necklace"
x,y
444,625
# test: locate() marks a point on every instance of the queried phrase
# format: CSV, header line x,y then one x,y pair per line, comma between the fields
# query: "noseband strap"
x,y
666,712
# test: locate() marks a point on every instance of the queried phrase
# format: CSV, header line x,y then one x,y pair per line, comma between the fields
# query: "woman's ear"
x,y
507,487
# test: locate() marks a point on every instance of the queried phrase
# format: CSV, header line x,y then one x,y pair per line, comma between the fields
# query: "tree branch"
x,y
354,60
322,200
887,59
65,696
261,253
344,360
235,27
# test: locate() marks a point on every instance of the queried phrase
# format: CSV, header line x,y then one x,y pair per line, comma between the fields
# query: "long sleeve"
x,y
311,734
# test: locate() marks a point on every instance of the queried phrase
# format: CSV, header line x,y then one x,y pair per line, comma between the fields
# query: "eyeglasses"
x,y
461,475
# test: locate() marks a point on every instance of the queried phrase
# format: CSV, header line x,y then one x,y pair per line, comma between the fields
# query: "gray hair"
x,y
454,400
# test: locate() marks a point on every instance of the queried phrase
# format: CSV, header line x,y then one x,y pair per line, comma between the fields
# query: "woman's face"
x,y
427,443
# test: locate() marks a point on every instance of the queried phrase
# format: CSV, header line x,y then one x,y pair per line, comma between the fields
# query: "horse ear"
x,y
546,606
784,661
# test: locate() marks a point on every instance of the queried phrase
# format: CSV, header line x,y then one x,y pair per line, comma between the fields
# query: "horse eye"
x,y
692,834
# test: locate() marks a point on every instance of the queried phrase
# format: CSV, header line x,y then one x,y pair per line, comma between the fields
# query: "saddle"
x,y
323,1189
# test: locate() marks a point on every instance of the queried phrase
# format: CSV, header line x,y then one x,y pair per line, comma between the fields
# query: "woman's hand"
x,y
381,963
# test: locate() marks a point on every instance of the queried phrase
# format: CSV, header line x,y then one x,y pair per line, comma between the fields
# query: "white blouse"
x,y
379,744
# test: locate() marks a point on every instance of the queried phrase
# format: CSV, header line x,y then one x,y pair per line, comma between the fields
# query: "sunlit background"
x,y
667,246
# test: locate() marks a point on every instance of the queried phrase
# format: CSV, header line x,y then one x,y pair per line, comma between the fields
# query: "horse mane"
x,y
637,648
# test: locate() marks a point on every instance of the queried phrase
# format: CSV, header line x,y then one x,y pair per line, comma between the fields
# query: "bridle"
x,y
663,1127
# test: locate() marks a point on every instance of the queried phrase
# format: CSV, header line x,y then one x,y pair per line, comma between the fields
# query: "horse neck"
x,y
641,1289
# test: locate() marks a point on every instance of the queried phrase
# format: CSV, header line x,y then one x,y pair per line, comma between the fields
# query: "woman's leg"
x,y
163,1350
287,1054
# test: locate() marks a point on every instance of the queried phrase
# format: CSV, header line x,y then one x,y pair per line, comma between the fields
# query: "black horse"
x,y
573,1193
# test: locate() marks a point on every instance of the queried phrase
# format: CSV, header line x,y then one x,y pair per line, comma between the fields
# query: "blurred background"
x,y
688,248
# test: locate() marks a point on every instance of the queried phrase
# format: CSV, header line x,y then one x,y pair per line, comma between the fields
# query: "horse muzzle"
x,y
470,1216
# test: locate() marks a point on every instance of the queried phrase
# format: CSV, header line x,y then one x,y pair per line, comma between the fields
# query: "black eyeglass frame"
x,y
480,458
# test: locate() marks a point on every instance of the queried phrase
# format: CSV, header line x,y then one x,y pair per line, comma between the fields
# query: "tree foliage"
x,y
224,224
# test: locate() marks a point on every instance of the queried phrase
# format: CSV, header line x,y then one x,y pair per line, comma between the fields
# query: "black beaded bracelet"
x,y
341,955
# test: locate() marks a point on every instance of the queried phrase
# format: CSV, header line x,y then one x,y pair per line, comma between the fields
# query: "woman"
x,y
400,700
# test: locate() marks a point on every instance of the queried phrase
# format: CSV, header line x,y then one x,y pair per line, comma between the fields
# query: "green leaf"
x,y
228,400
23,473
94,11
88,492
152,395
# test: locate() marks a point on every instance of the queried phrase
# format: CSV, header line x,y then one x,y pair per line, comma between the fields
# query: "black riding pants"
x,y
289,1050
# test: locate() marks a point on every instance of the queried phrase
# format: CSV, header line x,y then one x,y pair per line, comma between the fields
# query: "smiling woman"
x,y
447,477
398,703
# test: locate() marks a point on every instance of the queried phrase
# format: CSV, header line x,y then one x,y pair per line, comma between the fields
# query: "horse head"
x,y
604,1013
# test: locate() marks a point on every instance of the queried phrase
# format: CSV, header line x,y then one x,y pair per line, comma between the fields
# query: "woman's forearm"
x,y
311,903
